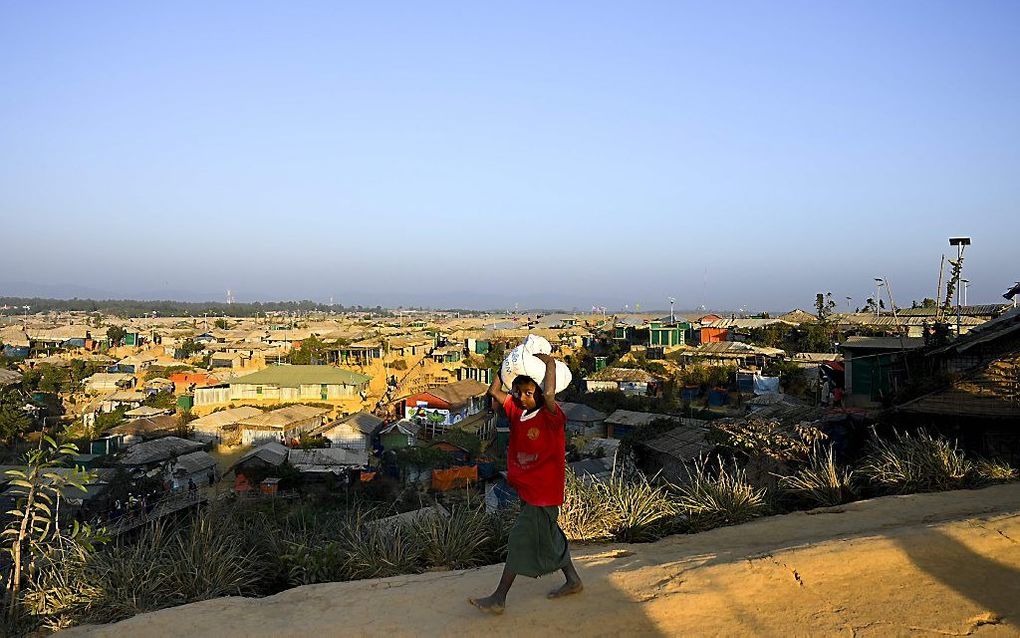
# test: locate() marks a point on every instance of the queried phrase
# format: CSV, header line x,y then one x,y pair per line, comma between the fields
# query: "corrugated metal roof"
x,y
459,392
326,459
218,420
979,310
282,417
989,392
1001,326
365,422
581,412
151,425
9,377
632,418
158,450
193,463
883,343
625,375
747,324
292,376
733,348
683,443
271,453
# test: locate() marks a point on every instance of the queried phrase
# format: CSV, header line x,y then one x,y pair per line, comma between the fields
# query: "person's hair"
x,y
539,394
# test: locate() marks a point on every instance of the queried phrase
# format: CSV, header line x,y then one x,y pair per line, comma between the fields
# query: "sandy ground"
x,y
933,564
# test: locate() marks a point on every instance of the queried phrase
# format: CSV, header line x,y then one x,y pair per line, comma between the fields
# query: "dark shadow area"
x,y
992,585
783,532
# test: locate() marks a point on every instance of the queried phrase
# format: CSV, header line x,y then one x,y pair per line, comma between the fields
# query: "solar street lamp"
x,y
878,295
960,243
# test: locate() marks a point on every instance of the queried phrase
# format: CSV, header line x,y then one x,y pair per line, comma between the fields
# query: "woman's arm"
x,y
496,388
549,384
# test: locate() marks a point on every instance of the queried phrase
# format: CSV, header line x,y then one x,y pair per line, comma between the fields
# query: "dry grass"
x,y
714,497
822,482
916,462
623,509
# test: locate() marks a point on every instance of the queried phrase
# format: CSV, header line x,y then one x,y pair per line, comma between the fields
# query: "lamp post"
x,y
960,243
878,295
848,300
966,285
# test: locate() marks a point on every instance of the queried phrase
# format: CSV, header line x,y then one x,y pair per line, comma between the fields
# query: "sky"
x,y
730,155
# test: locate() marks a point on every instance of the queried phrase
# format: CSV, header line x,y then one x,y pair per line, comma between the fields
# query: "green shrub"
x,y
323,563
822,482
916,462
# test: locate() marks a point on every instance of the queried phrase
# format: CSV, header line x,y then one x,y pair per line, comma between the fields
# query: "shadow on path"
x,y
987,583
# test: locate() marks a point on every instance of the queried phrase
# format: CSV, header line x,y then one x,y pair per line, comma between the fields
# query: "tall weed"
x,y
916,462
822,482
714,497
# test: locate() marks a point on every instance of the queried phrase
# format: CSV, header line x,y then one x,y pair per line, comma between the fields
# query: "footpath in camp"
x,y
925,564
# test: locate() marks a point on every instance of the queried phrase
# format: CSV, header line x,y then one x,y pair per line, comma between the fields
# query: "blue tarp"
x,y
717,397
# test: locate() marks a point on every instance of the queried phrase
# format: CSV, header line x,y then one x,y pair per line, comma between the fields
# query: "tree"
x,y
52,379
311,352
13,420
824,305
184,428
222,324
419,459
494,357
869,305
188,347
116,335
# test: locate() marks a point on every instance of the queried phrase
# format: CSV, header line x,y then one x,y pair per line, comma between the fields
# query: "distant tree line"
x,y
166,308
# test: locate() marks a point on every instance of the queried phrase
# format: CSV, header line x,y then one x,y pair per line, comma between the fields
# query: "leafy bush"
x,y
708,375
916,462
822,482
309,564
713,498
769,438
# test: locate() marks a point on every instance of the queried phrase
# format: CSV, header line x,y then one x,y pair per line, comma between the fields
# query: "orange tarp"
x,y
443,480
367,476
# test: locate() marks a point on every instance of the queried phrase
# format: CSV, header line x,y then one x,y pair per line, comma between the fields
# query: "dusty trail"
x,y
930,564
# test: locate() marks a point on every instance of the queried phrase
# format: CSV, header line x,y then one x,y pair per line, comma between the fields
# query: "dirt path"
x,y
933,564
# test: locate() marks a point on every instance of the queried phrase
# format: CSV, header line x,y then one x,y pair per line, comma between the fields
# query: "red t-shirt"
x,y
536,457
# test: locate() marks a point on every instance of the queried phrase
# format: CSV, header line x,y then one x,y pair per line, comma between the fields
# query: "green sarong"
x,y
537,545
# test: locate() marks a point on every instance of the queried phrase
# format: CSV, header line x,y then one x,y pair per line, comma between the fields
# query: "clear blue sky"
x,y
750,154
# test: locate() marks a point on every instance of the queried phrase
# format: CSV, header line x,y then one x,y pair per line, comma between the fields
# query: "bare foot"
x,y
489,604
567,588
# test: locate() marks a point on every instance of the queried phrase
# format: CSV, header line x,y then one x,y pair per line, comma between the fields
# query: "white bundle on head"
x,y
522,361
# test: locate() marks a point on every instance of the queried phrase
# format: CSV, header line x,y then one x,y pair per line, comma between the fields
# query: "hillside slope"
x,y
944,563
